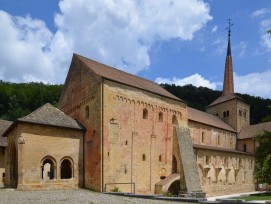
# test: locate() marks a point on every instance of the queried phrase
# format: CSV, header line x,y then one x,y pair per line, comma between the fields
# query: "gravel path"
x,y
70,197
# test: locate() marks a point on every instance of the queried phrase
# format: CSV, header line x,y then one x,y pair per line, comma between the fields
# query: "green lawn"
x,y
260,196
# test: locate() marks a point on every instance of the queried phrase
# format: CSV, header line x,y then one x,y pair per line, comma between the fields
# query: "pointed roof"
x,y
225,98
50,115
4,125
228,86
122,77
47,115
208,119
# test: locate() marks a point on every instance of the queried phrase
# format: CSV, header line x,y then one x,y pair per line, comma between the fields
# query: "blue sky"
x,y
172,41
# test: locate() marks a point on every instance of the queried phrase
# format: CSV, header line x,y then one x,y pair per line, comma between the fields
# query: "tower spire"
x,y
228,87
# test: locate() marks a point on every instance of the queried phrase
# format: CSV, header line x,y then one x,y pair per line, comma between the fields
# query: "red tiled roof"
x,y
252,130
4,125
119,76
225,98
208,119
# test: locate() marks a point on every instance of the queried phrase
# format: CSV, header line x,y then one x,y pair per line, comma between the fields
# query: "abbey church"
x,y
113,130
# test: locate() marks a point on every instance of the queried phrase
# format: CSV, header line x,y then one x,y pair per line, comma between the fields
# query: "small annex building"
x,y
44,150
4,124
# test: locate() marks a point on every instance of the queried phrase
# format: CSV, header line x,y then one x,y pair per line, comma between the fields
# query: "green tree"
x,y
263,157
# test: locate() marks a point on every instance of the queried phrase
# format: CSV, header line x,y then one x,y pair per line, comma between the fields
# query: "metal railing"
x,y
132,186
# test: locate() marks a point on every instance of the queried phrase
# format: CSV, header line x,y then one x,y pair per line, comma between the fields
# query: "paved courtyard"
x,y
69,197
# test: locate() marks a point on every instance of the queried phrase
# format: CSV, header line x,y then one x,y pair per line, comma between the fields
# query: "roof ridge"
x,y
116,69
35,111
122,77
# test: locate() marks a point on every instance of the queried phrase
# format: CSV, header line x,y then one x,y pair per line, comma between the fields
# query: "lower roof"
x,y
207,147
4,125
252,130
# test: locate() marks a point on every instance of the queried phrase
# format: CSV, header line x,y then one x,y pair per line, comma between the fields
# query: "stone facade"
x,y
235,112
40,157
225,172
2,166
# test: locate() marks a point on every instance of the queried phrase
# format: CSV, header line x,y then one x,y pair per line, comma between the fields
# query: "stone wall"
x,y
138,137
224,172
34,149
239,113
247,145
213,136
81,99
2,166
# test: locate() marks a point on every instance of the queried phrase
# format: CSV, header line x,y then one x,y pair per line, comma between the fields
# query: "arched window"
x,y
160,158
48,168
228,113
218,140
202,137
240,112
245,114
66,169
224,114
145,113
87,112
160,119
143,157
207,160
174,120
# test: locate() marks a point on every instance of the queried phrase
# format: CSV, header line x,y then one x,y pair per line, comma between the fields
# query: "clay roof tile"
x,y
119,76
208,119
252,130
4,125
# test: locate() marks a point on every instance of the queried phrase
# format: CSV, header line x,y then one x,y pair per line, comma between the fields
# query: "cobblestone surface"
x,y
69,197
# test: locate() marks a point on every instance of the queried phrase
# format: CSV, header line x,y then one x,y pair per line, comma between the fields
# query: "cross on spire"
x,y
229,27
228,87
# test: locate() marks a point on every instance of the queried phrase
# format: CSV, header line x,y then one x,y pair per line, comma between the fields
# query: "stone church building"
x,y
116,130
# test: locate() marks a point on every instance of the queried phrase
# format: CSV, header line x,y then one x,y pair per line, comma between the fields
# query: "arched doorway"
x,y
174,164
66,169
174,188
48,167
13,164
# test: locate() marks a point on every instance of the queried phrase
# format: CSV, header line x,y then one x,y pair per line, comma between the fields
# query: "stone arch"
x,y
211,175
13,163
201,173
175,187
231,175
222,175
48,168
239,176
66,168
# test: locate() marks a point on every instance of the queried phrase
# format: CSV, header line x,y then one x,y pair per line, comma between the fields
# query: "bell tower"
x,y
230,107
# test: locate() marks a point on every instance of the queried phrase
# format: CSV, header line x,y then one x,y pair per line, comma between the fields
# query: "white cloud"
x,y
214,29
241,48
117,33
260,12
257,84
195,79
